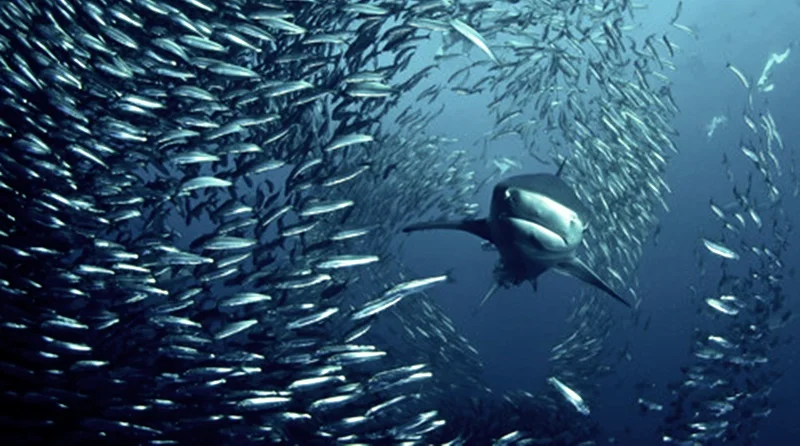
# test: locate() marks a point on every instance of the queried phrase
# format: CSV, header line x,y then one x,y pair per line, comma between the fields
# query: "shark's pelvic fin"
x,y
575,268
478,227
486,297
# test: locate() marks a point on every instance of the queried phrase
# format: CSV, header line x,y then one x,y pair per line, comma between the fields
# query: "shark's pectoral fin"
x,y
477,227
575,268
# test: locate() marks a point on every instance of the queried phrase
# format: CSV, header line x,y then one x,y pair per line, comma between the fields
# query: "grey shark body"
x,y
536,222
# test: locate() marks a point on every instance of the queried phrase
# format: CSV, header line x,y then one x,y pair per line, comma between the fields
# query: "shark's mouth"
x,y
553,225
531,231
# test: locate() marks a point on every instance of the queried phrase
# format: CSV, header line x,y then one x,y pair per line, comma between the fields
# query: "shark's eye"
x,y
511,197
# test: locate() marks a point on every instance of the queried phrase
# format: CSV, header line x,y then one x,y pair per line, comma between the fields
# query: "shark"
x,y
536,222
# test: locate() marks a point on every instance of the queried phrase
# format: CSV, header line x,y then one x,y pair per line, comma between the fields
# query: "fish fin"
x,y
486,297
478,227
576,268
449,274
561,167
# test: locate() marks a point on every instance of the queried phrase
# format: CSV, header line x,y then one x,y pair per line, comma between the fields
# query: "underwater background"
x,y
203,204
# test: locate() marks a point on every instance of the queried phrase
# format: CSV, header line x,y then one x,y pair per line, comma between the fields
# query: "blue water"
x,y
517,327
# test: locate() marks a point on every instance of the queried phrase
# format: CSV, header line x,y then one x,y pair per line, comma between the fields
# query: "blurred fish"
x,y
720,250
570,395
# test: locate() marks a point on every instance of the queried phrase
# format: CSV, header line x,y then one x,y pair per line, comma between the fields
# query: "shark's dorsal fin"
x,y
478,227
575,268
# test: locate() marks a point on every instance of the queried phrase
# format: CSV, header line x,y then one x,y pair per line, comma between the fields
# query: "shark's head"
x,y
539,213
549,223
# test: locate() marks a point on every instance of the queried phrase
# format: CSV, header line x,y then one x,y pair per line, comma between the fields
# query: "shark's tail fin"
x,y
575,268
477,227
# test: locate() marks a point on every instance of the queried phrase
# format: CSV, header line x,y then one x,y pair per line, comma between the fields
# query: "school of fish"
x,y
202,203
